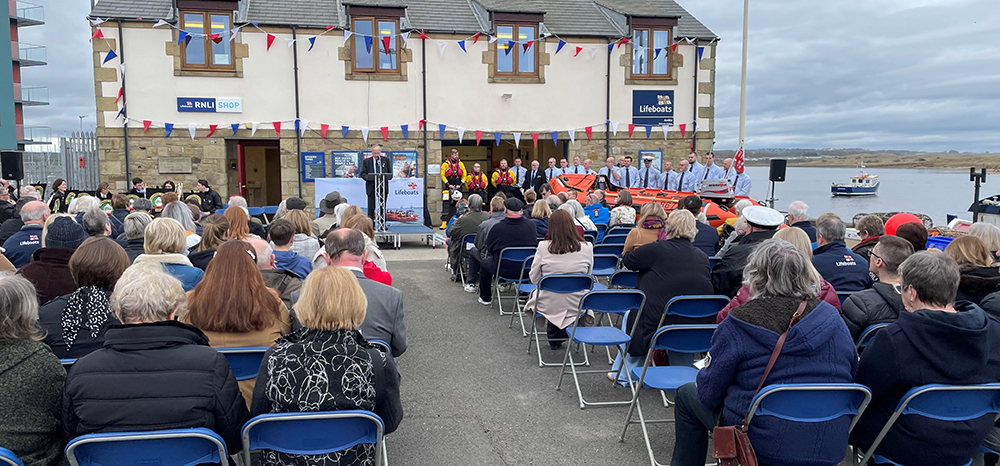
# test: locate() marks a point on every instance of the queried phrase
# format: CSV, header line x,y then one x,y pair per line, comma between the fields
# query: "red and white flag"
x,y
738,159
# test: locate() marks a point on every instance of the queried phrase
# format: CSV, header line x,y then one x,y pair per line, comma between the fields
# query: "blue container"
x,y
939,242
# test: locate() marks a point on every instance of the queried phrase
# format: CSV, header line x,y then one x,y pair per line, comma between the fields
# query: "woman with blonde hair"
x,y
979,276
540,216
800,240
239,229
164,245
327,365
651,218
304,243
990,235
623,213
213,234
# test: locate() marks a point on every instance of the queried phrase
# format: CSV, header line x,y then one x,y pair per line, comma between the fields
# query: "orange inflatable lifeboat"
x,y
717,208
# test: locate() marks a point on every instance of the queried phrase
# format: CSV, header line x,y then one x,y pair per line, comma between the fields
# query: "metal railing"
x,y
27,52
30,12
31,95
34,134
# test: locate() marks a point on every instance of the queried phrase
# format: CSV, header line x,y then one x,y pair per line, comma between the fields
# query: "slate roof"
x,y
569,18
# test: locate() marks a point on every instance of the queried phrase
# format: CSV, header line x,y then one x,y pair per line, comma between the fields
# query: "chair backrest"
x,y
67,363
615,249
805,402
713,261
684,338
8,458
244,361
220,211
614,239
255,211
515,254
695,306
624,279
469,239
843,295
313,433
593,233
601,228
174,447
270,209
566,282
590,238
613,301
869,333
385,346
605,261
619,230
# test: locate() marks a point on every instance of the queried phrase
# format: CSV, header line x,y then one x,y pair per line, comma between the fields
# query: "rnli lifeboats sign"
x,y
209,105
405,203
654,108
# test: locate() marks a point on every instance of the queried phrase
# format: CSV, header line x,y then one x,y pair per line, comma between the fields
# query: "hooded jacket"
x,y
31,383
818,349
927,347
879,304
161,375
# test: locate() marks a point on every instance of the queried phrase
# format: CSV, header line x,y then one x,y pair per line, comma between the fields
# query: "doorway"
x,y
258,172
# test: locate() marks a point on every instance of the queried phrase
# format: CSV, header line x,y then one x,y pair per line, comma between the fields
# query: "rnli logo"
x,y
32,237
411,185
847,262
663,100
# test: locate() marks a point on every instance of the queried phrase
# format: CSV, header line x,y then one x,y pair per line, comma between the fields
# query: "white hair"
x,y
742,204
238,201
147,293
263,250
179,211
29,192
798,211
573,207
82,204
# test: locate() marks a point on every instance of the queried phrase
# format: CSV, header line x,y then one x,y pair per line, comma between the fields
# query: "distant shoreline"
x,y
948,162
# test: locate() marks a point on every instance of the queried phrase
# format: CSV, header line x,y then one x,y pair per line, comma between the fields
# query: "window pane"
x,y
194,53
220,51
386,61
640,38
505,58
362,55
526,58
661,39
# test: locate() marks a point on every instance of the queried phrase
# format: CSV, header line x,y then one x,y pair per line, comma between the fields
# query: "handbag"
x,y
731,444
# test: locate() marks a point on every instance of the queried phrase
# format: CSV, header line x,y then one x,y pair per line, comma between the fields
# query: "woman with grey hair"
x,y
135,233
579,216
816,348
31,378
82,204
179,211
153,370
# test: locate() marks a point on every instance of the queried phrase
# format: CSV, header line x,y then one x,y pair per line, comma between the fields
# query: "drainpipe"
x,y
121,59
298,134
694,134
607,119
423,75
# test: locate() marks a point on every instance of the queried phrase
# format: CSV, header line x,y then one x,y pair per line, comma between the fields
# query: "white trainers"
x,y
485,303
470,288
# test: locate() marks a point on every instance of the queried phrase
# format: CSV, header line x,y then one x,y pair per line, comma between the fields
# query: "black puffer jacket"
x,y
977,282
161,375
879,304
727,276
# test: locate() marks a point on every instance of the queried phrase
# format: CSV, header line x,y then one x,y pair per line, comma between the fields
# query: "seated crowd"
x,y
137,311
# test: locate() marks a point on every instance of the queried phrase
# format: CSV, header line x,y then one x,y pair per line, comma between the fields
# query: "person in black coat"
x,y
707,238
534,178
935,342
377,163
727,276
153,372
513,231
210,200
667,268
882,302
798,216
979,276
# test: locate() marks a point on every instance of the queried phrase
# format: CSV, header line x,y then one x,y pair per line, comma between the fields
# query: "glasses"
x,y
872,254
898,288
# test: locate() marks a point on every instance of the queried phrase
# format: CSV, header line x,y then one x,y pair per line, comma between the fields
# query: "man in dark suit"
x,y
534,178
384,320
377,163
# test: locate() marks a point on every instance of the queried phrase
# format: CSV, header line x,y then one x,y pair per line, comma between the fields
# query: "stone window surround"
x,y
346,55
239,51
674,60
542,60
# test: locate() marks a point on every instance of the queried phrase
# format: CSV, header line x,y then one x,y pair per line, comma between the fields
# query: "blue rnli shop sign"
x,y
654,108
209,105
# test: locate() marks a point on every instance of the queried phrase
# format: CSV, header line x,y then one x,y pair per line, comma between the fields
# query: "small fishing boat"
x,y
861,185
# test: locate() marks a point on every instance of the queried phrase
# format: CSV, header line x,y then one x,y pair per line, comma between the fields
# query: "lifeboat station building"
x,y
261,97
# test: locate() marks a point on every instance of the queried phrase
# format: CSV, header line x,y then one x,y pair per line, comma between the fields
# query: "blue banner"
x,y
313,166
654,108
195,104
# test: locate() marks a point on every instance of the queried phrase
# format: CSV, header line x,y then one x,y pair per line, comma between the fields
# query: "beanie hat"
x,y
64,232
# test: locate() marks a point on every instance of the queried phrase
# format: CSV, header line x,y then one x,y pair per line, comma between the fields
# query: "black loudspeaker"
x,y
777,172
11,165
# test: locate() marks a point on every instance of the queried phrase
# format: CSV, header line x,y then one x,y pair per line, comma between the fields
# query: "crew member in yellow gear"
x,y
453,174
477,182
505,181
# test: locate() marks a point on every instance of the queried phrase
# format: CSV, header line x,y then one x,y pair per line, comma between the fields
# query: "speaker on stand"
x,y
776,175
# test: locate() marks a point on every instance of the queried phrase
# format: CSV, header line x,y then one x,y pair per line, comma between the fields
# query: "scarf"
x,y
88,307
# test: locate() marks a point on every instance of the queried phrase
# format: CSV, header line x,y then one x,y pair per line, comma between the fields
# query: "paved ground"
x,y
473,395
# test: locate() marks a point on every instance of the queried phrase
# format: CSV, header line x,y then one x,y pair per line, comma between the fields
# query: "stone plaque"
x,y
174,164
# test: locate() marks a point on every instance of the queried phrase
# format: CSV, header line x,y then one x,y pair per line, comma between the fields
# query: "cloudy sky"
x,y
878,74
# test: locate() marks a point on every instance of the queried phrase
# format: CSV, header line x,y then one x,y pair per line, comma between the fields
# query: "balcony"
x,y
34,134
31,95
28,14
27,54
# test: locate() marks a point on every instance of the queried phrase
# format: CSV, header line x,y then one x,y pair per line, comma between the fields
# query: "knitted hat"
x,y
64,232
295,203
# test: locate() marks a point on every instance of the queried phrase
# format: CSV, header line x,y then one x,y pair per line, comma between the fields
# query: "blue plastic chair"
x,y
592,233
619,230
523,286
691,307
220,211
174,447
843,295
954,403
610,302
590,238
381,343
67,363
561,283
255,211
314,433
516,255
601,229
868,334
713,261
8,458
604,265
688,339
463,256
270,209
244,361
624,279
612,249
618,239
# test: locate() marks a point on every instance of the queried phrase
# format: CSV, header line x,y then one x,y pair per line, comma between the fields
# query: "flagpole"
x,y
743,74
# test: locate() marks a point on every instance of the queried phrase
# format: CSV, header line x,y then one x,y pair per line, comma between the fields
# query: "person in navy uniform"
x,y
649,176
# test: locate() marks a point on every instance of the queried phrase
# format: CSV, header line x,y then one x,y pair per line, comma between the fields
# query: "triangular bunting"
x,y
622,41
323,128
277,127
475,38
496,138
666,131
181,35
290,42
461,134
98,21
527,45
169,128
385,133
121,92
110,56
121,113
270,40
649,130
657,53
235,127
534,138
406,131
590,133
364,134
441,129
593,51
578,50
344,130
673,47
614,128
701,52
347,35
406,37
631,128
303,126
611,47
479,136
559,47
441,46
422,35
420,125
368,44
386,42
555,137
211,130
217,38
517,139
493,39
510,46
461,44
145,125
253,128
682,126
97,35
572,136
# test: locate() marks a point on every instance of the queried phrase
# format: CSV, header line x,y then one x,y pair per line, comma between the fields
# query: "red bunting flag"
x,y
323,129
217,38
534,137
683,127
527,45
145,125
422,35
578,50
97,35
479,136
674,47
386,41
330,27
475,38
270,40
385,133
631,128
277,127
211,130
622,41
420,125
590,133
121,92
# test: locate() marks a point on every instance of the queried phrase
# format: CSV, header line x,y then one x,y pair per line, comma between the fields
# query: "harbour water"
x,y
936,193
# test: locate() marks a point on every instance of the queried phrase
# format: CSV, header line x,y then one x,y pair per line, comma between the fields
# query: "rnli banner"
x,y
351,189
406,201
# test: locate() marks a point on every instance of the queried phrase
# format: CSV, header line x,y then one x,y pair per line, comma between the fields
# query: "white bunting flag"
x,y
98,21
290,42
122,66
442,45
253,128
406,37
364,134
493,39
689,40
232,33
572,136
593,52
160,23
347,35
303,124
614,128
461,133
126,121
666,129
192,129
517,139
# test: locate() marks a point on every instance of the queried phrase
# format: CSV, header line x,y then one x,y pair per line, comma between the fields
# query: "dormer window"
x,y
203,51
516,51
373,27
652,57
